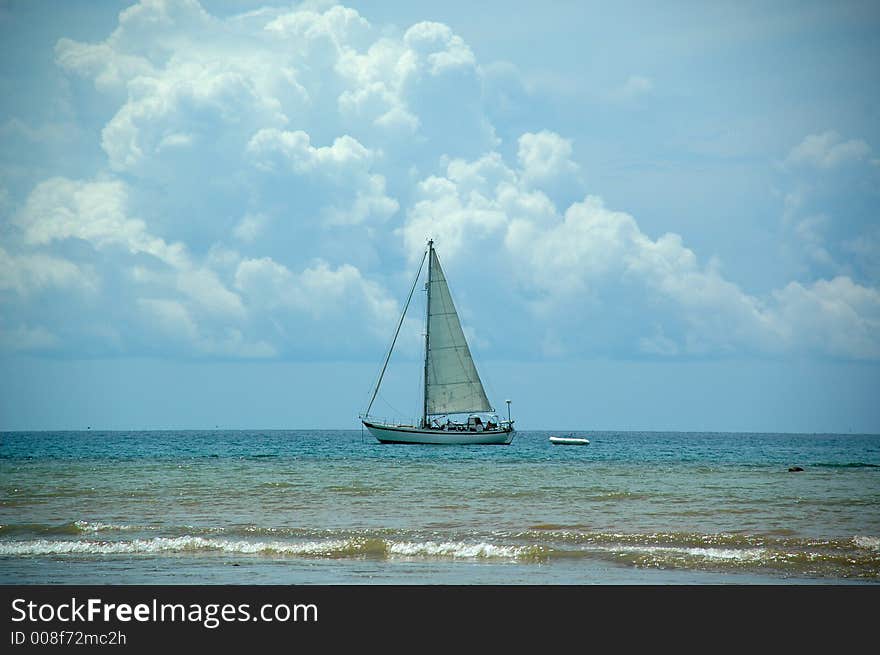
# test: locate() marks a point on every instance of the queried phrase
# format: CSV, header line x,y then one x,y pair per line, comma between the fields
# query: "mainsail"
x,y
452,384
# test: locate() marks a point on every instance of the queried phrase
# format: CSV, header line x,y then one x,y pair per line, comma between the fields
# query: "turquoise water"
x,y
328,507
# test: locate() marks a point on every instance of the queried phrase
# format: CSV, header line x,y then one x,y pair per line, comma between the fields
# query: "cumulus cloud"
x,y
318,291
97,212
593,266
173,320
826,175
545,157
441,48
171,317
61,208
344,167
837,316
219,304
28,273
191,102
827,150
294,149
268,175
250,227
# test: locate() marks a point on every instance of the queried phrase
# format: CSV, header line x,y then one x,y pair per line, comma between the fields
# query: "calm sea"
x,y
330,507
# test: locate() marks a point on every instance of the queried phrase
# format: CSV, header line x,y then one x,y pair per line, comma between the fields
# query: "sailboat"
x,y
455,408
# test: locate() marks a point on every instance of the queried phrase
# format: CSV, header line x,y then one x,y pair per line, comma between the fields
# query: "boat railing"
x,y
396,421
416,422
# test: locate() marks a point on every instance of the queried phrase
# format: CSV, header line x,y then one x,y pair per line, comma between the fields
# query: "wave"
x,y
545,534
327,549
855,557
576,536
848,465
869,543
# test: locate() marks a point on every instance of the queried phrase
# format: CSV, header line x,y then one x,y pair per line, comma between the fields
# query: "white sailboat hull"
x,y
413,435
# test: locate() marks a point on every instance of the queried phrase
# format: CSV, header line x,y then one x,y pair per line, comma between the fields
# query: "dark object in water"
x,y
794,469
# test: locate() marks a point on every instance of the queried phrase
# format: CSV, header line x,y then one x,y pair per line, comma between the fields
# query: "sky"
x,y
651,216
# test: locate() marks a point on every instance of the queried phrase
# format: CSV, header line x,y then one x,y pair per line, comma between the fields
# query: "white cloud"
x,y
827,150
170,317
594,264
545,156
442,49
110,70
294,133
837,317
29,273
345,166
272,148
250,227
319,291
635,86
478,200
659,344
148,34
97,212
203,286
376,85
337,29
864,252
172,320
820,214
423,90
810,232
189,101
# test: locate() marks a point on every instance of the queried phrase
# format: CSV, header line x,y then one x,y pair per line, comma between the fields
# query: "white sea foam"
x,y
716,554
90,526
455,549
319,548
869,543
160,545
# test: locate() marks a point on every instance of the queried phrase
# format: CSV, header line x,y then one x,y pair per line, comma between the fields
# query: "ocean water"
x,y
336,507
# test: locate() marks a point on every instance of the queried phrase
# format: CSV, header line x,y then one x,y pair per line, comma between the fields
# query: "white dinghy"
x,y
569,441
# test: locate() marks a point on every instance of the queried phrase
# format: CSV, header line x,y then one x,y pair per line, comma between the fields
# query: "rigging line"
x,y
397,332
392,407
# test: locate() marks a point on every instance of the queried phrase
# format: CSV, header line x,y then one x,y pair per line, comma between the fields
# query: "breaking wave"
x,y
854,557
329,548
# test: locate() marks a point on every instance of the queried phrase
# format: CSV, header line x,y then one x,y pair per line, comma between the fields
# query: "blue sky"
x,y
652,217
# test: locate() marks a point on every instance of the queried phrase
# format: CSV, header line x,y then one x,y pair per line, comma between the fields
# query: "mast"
x,y
427,331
